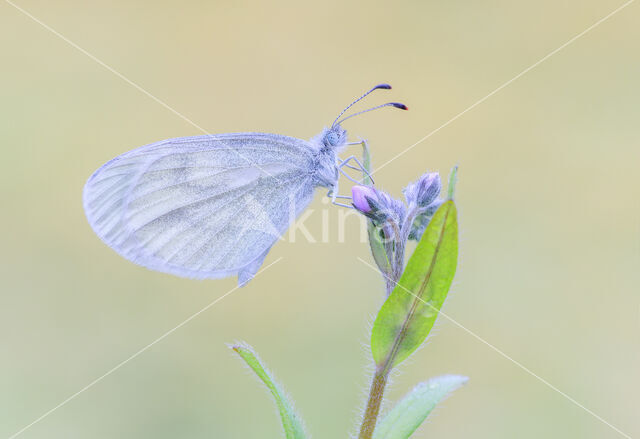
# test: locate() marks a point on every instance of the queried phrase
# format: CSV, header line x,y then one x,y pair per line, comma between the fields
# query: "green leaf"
x,y
366,162
378,250
408,314
291,421
413,409
453,179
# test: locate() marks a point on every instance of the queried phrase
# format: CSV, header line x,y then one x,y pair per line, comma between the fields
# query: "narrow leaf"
x,y
375,241
366,162
453,179
291,422
407,316
413,409
377,250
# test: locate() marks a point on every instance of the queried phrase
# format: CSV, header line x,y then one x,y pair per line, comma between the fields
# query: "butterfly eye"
x,y
333,138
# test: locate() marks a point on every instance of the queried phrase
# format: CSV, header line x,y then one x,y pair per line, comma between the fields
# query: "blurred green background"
x,y
549,196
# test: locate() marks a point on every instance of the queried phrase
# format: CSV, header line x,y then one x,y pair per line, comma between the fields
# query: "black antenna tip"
x,y
384,86
399,105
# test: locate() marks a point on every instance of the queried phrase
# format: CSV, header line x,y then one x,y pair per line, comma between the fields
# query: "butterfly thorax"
x,y
326,146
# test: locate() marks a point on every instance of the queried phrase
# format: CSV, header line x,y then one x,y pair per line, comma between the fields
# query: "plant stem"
x,y
401,234
373,404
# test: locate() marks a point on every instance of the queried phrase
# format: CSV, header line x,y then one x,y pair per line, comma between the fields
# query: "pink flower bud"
x,y
360,195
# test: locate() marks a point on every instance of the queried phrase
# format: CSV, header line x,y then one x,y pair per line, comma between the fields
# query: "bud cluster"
x,y
396,222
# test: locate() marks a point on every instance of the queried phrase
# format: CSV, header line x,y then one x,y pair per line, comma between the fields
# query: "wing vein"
x,y
193,180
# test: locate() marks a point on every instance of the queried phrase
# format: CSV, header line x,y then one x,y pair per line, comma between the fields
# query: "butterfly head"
x,y
334,137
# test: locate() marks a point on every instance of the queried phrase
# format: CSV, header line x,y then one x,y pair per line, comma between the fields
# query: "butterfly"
x,y
212,206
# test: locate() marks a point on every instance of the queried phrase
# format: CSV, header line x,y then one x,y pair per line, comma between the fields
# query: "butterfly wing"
x,y
201,207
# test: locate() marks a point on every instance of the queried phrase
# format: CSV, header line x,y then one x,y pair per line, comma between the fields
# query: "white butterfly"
x,y
212,206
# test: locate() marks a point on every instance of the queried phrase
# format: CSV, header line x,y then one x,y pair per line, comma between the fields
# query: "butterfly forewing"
x,y
203,207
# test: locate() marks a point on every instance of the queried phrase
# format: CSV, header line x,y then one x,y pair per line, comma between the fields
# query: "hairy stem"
x,y
373,403
401,234
397,257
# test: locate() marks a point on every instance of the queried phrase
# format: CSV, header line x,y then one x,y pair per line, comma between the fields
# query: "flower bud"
x,y
362,195
424,191
377,205
422,220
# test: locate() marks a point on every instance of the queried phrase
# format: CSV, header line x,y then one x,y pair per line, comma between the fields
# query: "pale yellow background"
x,y
548,195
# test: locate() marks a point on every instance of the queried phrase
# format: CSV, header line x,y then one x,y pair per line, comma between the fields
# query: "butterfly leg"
x,y
365,146
343,205
351,167
348,206
361,141
333,193
365,155
360,166
350,178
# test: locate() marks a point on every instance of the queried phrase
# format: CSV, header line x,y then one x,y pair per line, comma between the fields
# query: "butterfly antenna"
x,y
388,104
382,86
